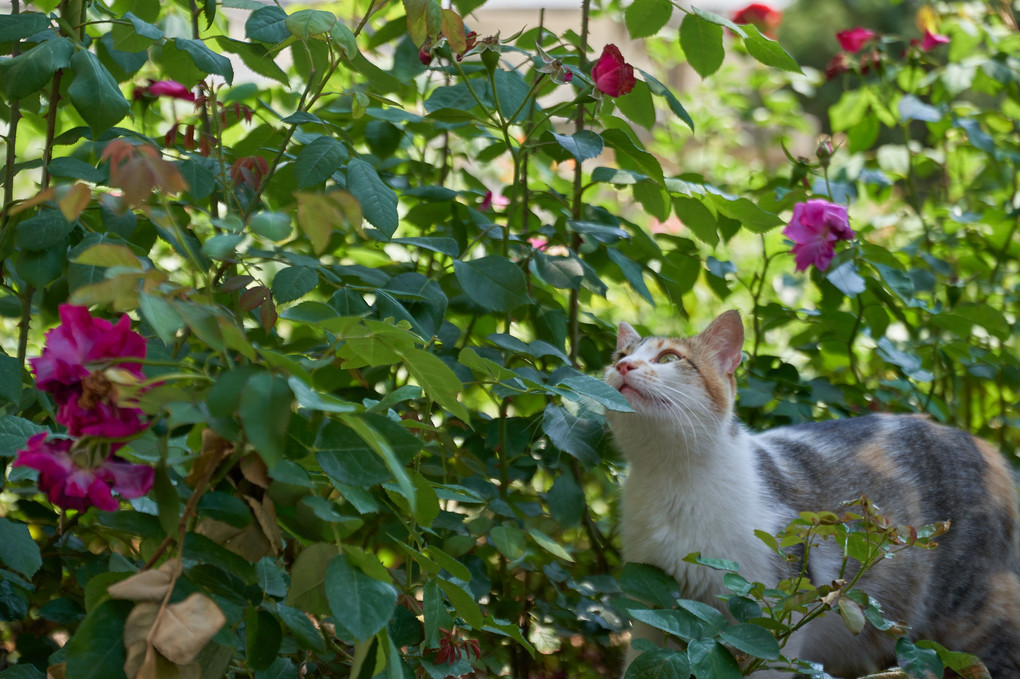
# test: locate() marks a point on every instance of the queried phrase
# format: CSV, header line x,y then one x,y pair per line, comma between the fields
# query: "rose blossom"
x,y
761,16
73,478
933,40
165,88
853,40
490,200
76,367
816,226
611,74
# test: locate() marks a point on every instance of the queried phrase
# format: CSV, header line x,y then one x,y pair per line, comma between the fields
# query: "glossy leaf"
x,y
361,604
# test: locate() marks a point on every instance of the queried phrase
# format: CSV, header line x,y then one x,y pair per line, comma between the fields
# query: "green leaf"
x,y
381,446
43,231
846,279
268,24
582,145
660,90
647,17
550,545
493,282
265,413
14,433
677,622
440,383
598,391
303,629
918,663
272,225
853,616
162,316
747,213
463,602
378,201
347,458
10,379
768,52
638,106
17,26
318,161
360,604
95,93
307,591
722,21
702,43
96,651
650,584
509,540
572,435
752,639
633,272
643,160
293,283
205,59
29,72
659,664
73,168
135,35
308,23
20,552
711,660
263,636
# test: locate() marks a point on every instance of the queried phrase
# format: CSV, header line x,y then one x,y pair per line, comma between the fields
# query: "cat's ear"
x,y
625,336
725,335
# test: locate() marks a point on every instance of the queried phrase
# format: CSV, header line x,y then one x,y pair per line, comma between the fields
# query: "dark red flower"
x,y
78,475
611,74
80,365
836,66
816,226
164,88
766,19
852,40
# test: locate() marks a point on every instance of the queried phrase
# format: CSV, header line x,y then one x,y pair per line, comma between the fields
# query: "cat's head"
x,y
687,379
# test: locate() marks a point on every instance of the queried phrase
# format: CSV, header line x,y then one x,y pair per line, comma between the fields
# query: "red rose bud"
x,y
836,66
611,74
853,40
761,16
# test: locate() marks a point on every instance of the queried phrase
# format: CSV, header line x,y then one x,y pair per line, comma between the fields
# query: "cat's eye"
x,y
668,357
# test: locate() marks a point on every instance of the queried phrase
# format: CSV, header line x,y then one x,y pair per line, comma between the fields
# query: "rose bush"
x,y
365,406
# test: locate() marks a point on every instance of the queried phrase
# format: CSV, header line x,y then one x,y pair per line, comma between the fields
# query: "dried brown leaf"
x,y
149,585
184,628
58,671
254,469
215,449
265,514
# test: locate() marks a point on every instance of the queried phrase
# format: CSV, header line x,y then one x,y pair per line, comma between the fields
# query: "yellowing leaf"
x,y
74,201
320,213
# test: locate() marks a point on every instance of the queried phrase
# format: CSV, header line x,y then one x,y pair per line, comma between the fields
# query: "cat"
x,y
700,482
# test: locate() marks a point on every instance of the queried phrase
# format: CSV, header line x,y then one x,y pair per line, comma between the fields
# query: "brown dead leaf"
x,y
265,514
249,542
255,470
215,449
58,671
74,201
155,666
149,585
184,628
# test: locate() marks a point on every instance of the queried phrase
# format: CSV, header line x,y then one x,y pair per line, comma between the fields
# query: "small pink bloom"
x,y
76,367
816,226
766,19
73,479
933,40
538,242
165,88
611,74
853,40
489,201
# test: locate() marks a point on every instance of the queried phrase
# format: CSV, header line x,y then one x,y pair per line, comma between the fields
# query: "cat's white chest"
x,y
666,517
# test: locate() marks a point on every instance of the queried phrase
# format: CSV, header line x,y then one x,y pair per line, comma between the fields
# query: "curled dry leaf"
x,y
255,470
155,666
249,542
215,449
265,514
183,629
149,585
136,632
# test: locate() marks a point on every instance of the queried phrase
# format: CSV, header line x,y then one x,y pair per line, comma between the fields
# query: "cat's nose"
x,y
624,367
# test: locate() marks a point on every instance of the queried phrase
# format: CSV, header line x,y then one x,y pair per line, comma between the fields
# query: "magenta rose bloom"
x,y
933,40
763,17
165,88
76,367
73,478
611,74
815,228
853,40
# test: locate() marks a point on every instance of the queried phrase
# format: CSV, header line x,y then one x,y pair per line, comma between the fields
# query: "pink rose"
x,y
933,40
611,74
165,88
73,478
76,366
761,16
816,226
853,40
490,200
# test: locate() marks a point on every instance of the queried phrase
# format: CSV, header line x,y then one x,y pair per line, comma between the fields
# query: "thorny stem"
x,y
578,183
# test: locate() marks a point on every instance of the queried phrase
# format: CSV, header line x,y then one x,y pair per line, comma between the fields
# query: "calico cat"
x,y
700,482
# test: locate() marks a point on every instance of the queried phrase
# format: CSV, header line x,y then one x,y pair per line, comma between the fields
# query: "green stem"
x,y
573,309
